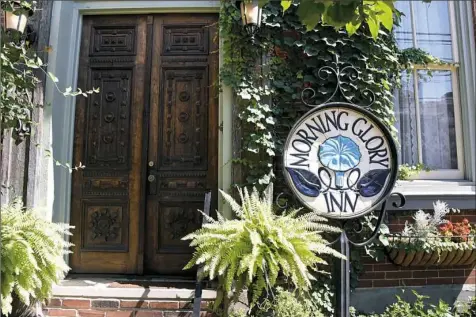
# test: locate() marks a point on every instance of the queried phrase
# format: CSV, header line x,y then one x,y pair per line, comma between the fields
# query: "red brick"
x,y
464,280
149,314
105,303
164,305
186,305
451,273
91,313
398,274
119,313
134,304
372,276
439,281
368,267
366,283
422,274
53,302
76,303
384,267
61,312
403,219
413,282
386,283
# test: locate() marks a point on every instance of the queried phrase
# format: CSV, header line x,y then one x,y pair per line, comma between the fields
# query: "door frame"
x,y
65,39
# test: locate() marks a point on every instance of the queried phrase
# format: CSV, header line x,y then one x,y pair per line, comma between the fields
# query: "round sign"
x,y
340,160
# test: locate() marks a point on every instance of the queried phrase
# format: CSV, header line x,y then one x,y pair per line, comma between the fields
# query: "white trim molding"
x,y
65,36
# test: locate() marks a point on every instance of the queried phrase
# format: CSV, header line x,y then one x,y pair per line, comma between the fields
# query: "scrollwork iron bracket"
x,y
345,75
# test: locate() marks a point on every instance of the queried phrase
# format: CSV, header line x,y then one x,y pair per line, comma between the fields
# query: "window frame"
x,y
453,67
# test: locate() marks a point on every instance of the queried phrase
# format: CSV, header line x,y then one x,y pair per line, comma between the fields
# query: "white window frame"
x,y
440,174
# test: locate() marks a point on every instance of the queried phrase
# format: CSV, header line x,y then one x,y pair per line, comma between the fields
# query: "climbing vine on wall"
x,y
269,75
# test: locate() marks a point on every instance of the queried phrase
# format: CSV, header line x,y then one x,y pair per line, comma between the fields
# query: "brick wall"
x,y
387,274
96,307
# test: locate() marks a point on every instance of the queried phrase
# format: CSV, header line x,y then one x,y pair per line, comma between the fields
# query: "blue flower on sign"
x,y
339,154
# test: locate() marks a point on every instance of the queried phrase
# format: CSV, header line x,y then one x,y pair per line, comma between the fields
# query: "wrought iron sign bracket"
x,y
343,243
341,161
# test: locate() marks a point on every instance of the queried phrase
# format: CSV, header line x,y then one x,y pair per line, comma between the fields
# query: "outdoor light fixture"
x,y
17,22
251,16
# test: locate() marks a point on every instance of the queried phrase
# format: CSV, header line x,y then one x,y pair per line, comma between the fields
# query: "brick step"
x,y
118,297
108,307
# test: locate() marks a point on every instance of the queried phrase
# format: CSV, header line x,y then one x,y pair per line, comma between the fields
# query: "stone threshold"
x,y
126,287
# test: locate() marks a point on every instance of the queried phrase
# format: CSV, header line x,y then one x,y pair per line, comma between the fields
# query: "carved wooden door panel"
x,y
183,136
106,196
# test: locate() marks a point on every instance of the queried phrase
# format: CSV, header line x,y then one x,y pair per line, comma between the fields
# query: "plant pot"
x,y
404,257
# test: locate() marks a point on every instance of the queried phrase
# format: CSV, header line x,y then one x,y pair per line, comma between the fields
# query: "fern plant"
x,y
250,251
32,250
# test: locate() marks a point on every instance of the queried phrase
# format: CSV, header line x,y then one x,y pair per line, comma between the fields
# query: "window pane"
x,y
406,123
433,29
403,33
437,120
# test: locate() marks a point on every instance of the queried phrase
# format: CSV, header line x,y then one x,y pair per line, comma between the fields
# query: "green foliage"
x,y
20,66
406,171
350,14
416,309
268,90
250,252
31,255
269,93
468,309
288,304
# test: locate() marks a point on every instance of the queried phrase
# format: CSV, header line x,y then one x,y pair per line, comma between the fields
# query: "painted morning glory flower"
x,y
339,154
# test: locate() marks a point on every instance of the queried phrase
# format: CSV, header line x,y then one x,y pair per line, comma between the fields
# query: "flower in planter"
x,y
462,230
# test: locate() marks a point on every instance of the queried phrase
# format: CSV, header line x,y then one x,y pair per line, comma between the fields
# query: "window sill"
x,y
420,194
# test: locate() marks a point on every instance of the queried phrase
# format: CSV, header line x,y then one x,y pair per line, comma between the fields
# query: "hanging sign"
x,y
340,160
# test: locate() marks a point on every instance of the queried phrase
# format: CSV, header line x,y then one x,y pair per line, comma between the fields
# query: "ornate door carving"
x,y
183,136
149,141
108,140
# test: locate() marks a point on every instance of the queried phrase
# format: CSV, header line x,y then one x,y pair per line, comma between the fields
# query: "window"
x,y
427,107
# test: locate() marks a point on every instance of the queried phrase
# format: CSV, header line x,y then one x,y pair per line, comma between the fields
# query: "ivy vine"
x,y
268,77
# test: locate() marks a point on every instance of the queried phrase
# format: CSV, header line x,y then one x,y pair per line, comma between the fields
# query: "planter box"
x,y
433,258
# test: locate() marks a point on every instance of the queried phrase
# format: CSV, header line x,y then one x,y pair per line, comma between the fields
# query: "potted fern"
x,y
32,258
253,250
432,240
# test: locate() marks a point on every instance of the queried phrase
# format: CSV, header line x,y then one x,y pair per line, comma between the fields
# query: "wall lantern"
x,y
251,16
15,20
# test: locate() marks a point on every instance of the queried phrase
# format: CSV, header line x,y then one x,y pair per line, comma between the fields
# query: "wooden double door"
x,y
148,139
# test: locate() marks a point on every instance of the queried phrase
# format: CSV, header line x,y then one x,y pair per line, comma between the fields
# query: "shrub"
x,y
417,309
252,250
31,255
288,304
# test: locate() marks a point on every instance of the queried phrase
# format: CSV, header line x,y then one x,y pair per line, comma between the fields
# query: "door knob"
x,y
151,178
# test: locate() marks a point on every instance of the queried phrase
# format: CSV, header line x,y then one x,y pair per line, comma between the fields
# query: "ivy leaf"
x,y
285,4
53,77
